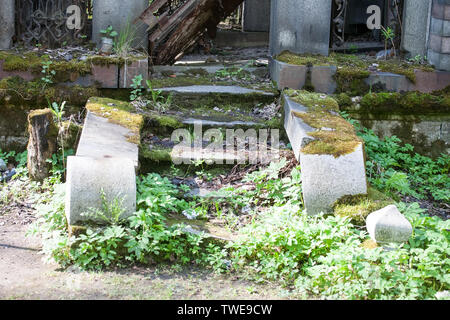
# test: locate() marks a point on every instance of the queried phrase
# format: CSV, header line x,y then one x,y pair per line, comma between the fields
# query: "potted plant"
x,y
108,40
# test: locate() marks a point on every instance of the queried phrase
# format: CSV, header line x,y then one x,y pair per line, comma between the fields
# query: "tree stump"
x,y
42,143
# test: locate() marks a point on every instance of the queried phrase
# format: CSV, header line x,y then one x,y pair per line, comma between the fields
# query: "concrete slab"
x,y
256,16
7,28
88,177
118,14
199,89
326,179
102,139
105,163
229,124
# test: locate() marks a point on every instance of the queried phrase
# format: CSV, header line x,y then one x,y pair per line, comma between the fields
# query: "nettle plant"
x,y
109,32
48,74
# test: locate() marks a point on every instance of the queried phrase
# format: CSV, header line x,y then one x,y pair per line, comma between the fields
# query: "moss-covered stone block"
x,y
332,135
330,154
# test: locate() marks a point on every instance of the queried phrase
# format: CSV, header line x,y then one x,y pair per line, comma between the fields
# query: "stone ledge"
x,y
289,76
106,76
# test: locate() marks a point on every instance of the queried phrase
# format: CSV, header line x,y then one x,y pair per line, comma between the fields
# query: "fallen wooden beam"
x,y
173,33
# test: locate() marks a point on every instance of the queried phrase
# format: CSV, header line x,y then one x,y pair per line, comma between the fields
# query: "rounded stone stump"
x,y
42,143
118,14
7,18
87,178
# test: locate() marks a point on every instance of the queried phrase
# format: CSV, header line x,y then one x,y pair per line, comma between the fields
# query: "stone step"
x,y
185,155
204,68
205,123
238,112
212,89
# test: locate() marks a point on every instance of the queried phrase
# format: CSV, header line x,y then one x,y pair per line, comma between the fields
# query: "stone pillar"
x,y
7,18
300,26
416,23
256,16
117,13
439,42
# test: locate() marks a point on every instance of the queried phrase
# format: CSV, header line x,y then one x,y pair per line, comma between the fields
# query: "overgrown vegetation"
x,y
320,256
396,169
275,240
144,237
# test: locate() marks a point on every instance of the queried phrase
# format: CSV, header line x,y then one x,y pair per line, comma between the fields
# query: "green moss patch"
x,y
404,68
114,60
23,62
65,70
18,92
369,244
404,103
156,154
351,80
358,207
30,61
313,101
118,112
334,135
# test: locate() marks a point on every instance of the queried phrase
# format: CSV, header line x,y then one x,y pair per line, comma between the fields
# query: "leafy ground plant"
x,y
416,270
319,256
144,237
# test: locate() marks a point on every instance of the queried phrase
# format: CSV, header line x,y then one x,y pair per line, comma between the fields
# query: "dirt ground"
x,y
23,276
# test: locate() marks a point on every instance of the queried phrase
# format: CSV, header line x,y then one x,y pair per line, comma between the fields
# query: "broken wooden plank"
x,y
175,33
148,16
166,27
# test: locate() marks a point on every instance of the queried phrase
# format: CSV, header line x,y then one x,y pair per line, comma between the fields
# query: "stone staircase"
x,y
202,110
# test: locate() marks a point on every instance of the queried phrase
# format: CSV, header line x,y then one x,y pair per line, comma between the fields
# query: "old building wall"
x,y
439,40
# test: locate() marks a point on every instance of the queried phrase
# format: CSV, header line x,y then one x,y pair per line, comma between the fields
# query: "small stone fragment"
x,y
388,225
2,165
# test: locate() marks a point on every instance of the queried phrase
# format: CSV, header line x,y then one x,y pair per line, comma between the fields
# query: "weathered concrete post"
x,y
42,143
7,11
300,26
416,23
439,43
256,16
118,13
